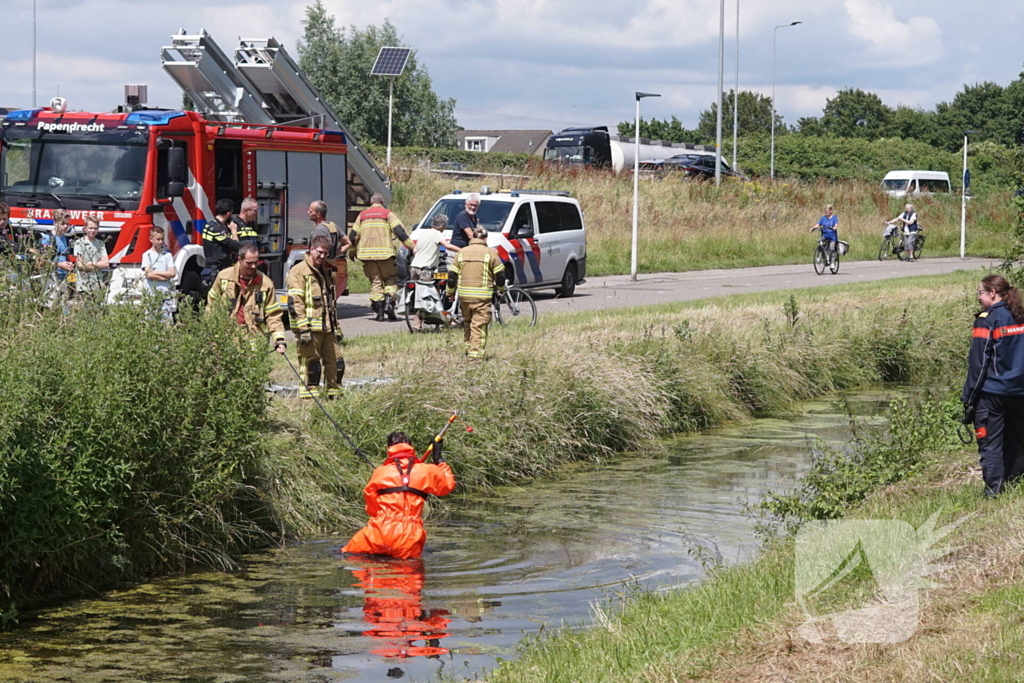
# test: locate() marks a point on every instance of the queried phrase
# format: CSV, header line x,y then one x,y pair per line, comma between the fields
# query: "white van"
x,y
539,234
902,183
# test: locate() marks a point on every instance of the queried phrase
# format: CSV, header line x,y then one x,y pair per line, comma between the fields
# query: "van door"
x,y
561,234
524,254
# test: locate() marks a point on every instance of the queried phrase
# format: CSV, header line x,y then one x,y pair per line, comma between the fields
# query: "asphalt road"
x,y
618,291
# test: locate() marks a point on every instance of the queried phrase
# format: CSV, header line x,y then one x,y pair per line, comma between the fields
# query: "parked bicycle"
x,y
825,256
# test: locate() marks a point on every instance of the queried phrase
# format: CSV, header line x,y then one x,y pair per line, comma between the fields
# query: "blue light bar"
x,y
151,118
23,115
335,132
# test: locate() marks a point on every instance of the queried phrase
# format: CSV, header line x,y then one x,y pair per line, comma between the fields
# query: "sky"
x,y
549,64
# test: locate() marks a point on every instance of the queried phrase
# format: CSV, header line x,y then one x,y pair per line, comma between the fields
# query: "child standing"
x,y
158,268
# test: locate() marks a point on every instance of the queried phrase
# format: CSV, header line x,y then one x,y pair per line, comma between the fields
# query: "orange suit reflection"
x,y
392,604
394,501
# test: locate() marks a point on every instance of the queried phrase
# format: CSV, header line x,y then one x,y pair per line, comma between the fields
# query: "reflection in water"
x,y
393,607
499,568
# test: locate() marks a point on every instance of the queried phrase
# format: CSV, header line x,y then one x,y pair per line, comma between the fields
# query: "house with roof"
x,y
507,141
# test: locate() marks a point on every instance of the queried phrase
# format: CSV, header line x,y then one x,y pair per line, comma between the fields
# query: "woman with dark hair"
x,y
394,500
994,389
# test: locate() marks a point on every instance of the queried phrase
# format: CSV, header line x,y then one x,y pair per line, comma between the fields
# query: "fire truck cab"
x,y
144,167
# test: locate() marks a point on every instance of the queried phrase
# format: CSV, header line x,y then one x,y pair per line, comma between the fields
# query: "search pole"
x,y
775,37
636,183
721,84
736,92
33,54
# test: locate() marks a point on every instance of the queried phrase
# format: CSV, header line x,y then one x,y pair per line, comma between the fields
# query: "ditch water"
x,y
498,570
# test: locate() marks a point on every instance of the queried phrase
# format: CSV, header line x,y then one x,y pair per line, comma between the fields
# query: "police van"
x,y
539,234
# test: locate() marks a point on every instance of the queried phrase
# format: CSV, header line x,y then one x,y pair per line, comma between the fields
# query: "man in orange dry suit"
x,y
394,500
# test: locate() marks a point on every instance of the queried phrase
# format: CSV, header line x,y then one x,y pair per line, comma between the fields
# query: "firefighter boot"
x,y
378,310
389,307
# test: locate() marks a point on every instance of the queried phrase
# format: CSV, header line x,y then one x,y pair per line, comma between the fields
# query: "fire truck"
x,y
259,129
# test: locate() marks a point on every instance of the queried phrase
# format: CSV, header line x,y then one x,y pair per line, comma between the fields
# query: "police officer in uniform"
x,y
250,297
314,317
372,236
245,221
220,241
475,274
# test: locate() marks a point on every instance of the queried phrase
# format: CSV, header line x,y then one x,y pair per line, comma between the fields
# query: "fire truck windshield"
x,y
76,168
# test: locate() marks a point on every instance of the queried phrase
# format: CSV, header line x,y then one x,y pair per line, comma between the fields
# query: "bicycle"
x,y
511,308
894,244
826,256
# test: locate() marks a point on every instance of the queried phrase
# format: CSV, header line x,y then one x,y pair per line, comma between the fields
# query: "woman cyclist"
x,y
995,383
908,221
828,225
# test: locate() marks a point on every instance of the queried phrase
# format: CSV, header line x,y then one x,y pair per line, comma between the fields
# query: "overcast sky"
x,y
550,63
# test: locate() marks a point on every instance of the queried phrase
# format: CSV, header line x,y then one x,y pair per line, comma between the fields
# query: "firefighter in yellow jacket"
x,y
250,297
372,235
475,274
314,314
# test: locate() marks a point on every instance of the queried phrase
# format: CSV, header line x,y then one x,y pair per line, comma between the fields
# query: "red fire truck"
x,y
145,167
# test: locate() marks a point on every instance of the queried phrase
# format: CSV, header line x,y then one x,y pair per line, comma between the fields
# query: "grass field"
x,y
687,225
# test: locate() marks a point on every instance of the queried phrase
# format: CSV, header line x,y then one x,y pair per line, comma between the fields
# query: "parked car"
x,y
539,234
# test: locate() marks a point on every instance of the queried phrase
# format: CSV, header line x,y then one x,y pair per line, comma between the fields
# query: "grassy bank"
x,y
583,387
129,448
741,624
694,226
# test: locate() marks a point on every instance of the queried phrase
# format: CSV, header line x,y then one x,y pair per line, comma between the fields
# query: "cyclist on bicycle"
x,y
908,221
828,225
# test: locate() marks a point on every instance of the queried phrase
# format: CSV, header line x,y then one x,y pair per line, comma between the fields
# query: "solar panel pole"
x,y
391,108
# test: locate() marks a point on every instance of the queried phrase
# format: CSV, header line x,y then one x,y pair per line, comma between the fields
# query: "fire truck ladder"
x,y
264,85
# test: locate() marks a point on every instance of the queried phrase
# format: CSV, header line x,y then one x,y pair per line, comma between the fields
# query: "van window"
x,y
934,186
523,219
548,217
491,214
570,216
894,184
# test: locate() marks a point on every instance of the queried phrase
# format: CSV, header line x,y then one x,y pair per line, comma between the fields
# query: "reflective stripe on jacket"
x,y
259,303
311,298
477,270
374,229
996,356
219,249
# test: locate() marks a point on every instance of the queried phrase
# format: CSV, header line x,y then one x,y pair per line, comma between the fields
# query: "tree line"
x,y
994,112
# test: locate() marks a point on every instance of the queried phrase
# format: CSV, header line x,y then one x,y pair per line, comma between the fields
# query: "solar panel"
x,y
391,61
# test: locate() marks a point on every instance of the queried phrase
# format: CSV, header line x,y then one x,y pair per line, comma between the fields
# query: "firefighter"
x,y
220,241
994,390
340,244
394,500
315,322
475,274
245,222
250,297
372,236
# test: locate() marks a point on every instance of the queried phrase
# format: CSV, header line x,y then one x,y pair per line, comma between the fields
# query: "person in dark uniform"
x,y
220,241
245,221
994,389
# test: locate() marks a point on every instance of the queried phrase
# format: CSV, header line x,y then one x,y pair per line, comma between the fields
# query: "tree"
x,y
809,125
338,63
755,116
910,123
985,108
668,130
853,113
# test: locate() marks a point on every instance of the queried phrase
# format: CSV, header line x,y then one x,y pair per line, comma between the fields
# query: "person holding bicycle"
x,y
908,221
828,225
993,394
476,274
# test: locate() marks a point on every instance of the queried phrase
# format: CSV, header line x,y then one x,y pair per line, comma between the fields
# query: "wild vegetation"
x,y
131,448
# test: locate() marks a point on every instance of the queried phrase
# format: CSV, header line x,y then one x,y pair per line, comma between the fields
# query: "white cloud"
x,y
916,41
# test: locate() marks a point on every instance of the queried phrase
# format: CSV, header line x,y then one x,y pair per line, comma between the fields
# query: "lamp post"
x,y
775,35
736,92
636,182
33,54
963,199
721,84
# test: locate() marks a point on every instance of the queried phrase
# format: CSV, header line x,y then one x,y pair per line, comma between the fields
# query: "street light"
x,y
636,181
736,92
721,84
775,35
963,198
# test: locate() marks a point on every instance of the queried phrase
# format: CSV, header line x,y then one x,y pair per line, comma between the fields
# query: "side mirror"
x,y
175,188
524,233
176,166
